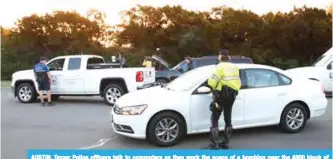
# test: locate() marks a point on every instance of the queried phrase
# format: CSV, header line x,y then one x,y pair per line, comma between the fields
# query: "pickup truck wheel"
x,y
111,93
26,93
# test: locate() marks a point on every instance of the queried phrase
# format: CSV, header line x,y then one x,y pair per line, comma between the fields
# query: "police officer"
x,y
43,78
225,84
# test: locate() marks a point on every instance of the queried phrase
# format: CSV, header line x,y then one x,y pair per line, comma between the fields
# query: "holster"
x,y
228,92
214,106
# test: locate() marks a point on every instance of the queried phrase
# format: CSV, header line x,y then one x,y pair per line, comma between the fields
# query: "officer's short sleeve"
x,y
46,68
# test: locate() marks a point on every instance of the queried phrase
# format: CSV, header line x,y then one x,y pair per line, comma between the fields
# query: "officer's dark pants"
x,y
225,102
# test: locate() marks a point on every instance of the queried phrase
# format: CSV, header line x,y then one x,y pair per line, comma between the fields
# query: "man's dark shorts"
x,y
44,86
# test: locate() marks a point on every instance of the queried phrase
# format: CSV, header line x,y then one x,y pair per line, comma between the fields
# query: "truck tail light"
x,y
322,88
139,76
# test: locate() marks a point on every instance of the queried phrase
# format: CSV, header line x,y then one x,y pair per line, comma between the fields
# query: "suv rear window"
x,y
243,60
204,62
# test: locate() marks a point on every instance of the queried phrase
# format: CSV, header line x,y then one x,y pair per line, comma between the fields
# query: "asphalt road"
x,y
83,122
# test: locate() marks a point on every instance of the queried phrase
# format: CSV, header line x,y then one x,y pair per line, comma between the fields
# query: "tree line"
x,y
284,40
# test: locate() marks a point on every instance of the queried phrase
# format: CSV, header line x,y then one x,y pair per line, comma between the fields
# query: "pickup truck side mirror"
x,y
181,70
329,67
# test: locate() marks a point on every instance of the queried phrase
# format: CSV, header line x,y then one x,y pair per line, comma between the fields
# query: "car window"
x,y
243,79
257,78
56,65
205,62
74,63
94,60
284,80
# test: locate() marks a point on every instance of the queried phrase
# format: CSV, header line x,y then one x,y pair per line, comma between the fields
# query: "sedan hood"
x,y
147,96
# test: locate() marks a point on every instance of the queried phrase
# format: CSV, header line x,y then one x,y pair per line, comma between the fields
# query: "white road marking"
x,y
99,143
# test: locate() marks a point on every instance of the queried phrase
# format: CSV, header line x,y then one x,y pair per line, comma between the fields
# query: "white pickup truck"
x,y
83,75
321,70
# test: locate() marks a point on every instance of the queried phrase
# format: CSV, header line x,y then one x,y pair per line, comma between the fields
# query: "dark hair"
x,y
224,52
43,58
225,58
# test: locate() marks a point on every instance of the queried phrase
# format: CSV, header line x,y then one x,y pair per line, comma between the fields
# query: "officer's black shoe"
x,y
50,104
223,146
212,146
42,104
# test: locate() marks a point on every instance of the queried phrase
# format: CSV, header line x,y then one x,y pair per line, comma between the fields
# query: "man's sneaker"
x,y
50,104
42,104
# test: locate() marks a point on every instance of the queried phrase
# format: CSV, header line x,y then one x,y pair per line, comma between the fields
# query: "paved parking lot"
x,y
83,122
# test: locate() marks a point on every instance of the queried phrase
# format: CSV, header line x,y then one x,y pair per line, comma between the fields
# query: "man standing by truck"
x,y
43,78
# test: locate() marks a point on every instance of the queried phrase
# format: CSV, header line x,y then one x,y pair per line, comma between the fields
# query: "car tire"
x,y
109,97
26,93
293,113
152,136
161,81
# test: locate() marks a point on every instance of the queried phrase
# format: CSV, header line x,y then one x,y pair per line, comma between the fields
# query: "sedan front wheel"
x,y
166,129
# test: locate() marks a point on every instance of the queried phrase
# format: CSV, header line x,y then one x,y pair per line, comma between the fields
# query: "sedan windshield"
x,y
190,79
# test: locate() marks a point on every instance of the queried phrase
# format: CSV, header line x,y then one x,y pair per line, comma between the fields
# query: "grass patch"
x,y
5,84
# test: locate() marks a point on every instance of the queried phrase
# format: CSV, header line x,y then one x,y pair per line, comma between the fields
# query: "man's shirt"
x,y
41,72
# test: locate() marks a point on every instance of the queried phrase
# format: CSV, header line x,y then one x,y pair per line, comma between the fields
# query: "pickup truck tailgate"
x,y
148,75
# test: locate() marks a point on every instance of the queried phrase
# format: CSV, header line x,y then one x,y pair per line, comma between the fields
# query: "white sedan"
x,y
269,96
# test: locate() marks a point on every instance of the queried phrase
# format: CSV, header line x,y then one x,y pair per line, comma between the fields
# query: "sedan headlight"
x,y
132,110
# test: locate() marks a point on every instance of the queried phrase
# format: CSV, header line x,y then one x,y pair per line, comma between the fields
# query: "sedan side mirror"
x,y
204,90
329,67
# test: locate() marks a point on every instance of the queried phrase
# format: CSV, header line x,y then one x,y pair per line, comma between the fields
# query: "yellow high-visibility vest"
x,y
147,64
227,74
